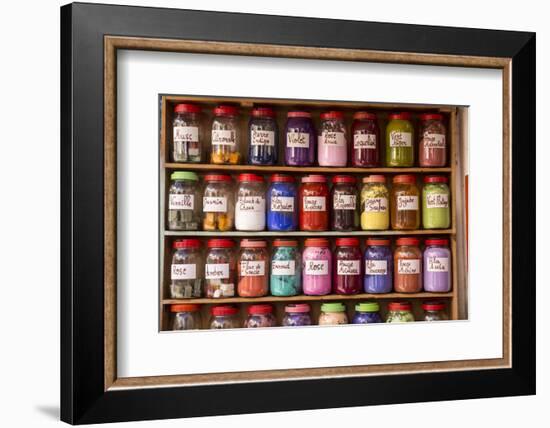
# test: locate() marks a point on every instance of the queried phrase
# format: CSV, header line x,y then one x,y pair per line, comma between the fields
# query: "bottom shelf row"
x,y
192,316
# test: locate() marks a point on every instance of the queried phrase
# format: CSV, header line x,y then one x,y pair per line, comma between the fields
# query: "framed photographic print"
x,y
292,213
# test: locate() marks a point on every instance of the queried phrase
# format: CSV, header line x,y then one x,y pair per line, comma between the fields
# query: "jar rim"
x,y
184,175
403,115
399,306
332,114
186,243
377,242
224,310
316,242
297,308
374,178
347,242
285,243
407,241
187,108
261,309
220,243
433,306
364,115
263,112
252,243
436,241
431,116
314,178
404,178
298,113
250,177
344,179
184,307
435,179
333,307
226,110
217,177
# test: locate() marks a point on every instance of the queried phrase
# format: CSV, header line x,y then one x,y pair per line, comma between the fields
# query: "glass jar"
x,y
220,269
375,212
313,194
186,134
225,136
296,315
432,149
251,267
333,314
282,208
405,209
250,203
366,140
263,134
344,203
347,272
185,317
218,203
332,148
260,316
436,196
407,260
367,313
286,268
300,142
378,266
316,267
434,311
399,140
184,202
437,266
400,312
186,271
224,316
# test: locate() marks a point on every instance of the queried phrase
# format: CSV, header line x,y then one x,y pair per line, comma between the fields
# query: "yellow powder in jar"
x,y
375,214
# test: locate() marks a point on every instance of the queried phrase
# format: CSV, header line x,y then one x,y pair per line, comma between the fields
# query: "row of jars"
x,y
311,206
332,145
317,270
187,316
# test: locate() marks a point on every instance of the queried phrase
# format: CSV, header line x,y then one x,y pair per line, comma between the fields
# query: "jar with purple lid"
x,y
378,266
437,266
296,315
367,313
300,139
316,267
347,270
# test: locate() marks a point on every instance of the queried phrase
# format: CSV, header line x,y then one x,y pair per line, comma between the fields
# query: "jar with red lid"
x,y
347,271
407,262
186,134
432,148
225,136
251,267
224,316
250,203
301,139
437,265
220,268
316,267
400,312
313,194
434,311
282,206
260,316
366,140
405,208
399,140
332,148
345,203
218,203
185,316
186,270
263,134
436,198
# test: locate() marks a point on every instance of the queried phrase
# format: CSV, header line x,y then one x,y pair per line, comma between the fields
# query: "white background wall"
x,y
29,214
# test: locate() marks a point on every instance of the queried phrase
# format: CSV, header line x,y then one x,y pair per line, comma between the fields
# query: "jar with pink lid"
x,y
316,267
297,315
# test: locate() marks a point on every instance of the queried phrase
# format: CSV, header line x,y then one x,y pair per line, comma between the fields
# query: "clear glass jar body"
x,y
405,207
186,137
313,206
316,271
186,320
263,140
332,147
225,140
399,143
435,315
333,318
344,204
300,143
297,319
260,320
286,271
400,316
282,207
250,206
436,213
347,271
186,273
252,272
218,206
366,143
437,269
378,269
375,212
407,269
224,321
432,148
184,205
220,272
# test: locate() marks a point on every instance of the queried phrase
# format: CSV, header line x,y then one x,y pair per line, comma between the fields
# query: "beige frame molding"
x,y
113,43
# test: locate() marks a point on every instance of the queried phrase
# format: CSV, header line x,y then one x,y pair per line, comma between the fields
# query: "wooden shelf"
x,y
298,233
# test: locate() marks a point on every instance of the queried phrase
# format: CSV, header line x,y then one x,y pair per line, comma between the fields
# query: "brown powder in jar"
x,y
407,266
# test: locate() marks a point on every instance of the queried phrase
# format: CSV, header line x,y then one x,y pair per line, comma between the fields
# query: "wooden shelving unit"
x,y
456,234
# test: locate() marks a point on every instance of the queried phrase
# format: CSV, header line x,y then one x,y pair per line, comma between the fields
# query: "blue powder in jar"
x,y
282,207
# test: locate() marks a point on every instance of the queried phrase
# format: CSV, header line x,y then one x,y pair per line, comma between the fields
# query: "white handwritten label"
x,y
262,138
251,204
376,267
433,141
185,134
408,266
407,203
223,137
297,140
184,271
283,267
253,268
329,138
315,203
364,141
375,205
316,267
344,202
437,200
349,267
216,271
181,202
437,264
214,204
400,139
282,204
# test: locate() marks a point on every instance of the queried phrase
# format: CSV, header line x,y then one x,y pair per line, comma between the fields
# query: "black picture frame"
x,y
83,398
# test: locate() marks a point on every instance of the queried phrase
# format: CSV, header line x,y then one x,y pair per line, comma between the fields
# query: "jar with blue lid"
x,y
378,266
282,206
367,313
263,134
286,272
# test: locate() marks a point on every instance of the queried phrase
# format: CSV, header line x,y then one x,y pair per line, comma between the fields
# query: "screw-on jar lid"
x,y
431,116
184,175
260,309
298,308
367,307
433,306
404,115
404,178
375,178
281,178
347,242
316,242
226,111
224,310
250,177
364,115
333,114
407,241
263,112
378,242
435,179
187,108
343,179
187,243
252,243
436,241
298,114
217,177
220,243
285,243
185,307
314,178
399,306
333,307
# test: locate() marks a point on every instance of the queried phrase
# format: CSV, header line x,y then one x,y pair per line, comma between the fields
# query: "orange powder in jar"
x,y
251,268
407,266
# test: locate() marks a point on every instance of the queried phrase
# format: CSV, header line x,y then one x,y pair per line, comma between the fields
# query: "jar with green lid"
x,y
400,312
399,140
436,196
367,313
184,201
333,314
375,205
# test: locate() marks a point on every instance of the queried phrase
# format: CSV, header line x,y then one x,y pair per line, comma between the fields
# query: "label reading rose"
x,y
214,204
344,202
437,264
316,267
330,138
181,202
405,203
349,267
437,200
186,134
253,268
364,141
376,267
408,266
282,204
375,205
433,141
223,137
283,267
262,138
183,271
251,204
216,270
297,140
315,203
400,139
